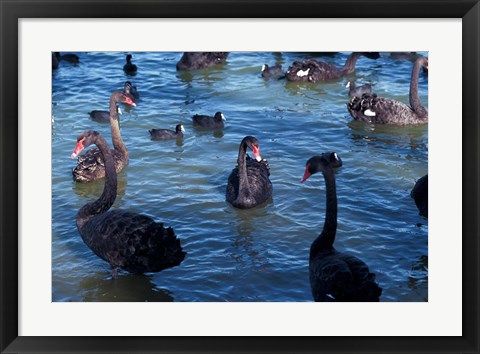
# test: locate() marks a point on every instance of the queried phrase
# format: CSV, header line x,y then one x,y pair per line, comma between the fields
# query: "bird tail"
x,y
171,247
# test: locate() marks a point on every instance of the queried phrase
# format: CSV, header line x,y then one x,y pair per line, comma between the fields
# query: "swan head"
x,y
264,67
348,84
85,139
253,144
322,163
129,57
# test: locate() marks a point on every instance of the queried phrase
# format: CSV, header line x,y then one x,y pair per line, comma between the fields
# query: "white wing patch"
x,y
369,113
303,73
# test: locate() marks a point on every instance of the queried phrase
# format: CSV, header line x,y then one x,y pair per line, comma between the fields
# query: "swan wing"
x,y
132,241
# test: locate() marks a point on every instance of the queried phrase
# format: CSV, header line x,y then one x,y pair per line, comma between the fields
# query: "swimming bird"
x,y
129,67
70,58
419,194
249,184
126,240
90,165
204,121
131,90
269,71
335,276
312,70
358,91
379,110
201,60
102,116
167,134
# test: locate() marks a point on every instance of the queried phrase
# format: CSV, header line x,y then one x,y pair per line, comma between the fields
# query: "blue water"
x,y
259,254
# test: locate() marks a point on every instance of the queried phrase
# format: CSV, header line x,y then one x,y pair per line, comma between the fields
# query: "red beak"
x,y
78,148
305,175
256,153
130,102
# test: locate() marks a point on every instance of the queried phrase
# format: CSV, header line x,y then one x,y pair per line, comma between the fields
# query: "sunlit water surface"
x,y
241,255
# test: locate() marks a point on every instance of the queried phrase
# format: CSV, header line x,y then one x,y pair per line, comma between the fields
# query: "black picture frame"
x,y
12,11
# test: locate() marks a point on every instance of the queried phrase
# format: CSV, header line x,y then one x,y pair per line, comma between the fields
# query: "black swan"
x,y
129,67
374,109
312,70
269,71
201,60
71,58
215,122
126,240
248,184
102,116
167,134
420,195
335,276
90,166
358,91
131,91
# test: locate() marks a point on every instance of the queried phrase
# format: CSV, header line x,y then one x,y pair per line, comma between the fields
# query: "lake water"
x,y
259,254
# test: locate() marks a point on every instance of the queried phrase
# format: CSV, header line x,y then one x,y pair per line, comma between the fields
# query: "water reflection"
x,y
126,288
216,133
412,136
95,188
246,251
418,276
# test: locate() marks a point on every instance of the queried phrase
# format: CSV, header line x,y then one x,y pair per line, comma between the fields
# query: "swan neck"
x,y
327,237
109,194
117,140
243,188
413,96
349,66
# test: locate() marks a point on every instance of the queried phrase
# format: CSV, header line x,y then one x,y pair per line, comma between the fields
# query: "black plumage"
x,y
201,60
167,134
129,68
335,276
379,110
419,194
90,165
249,184
126,240
312,70
359,91
208,122
269,71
